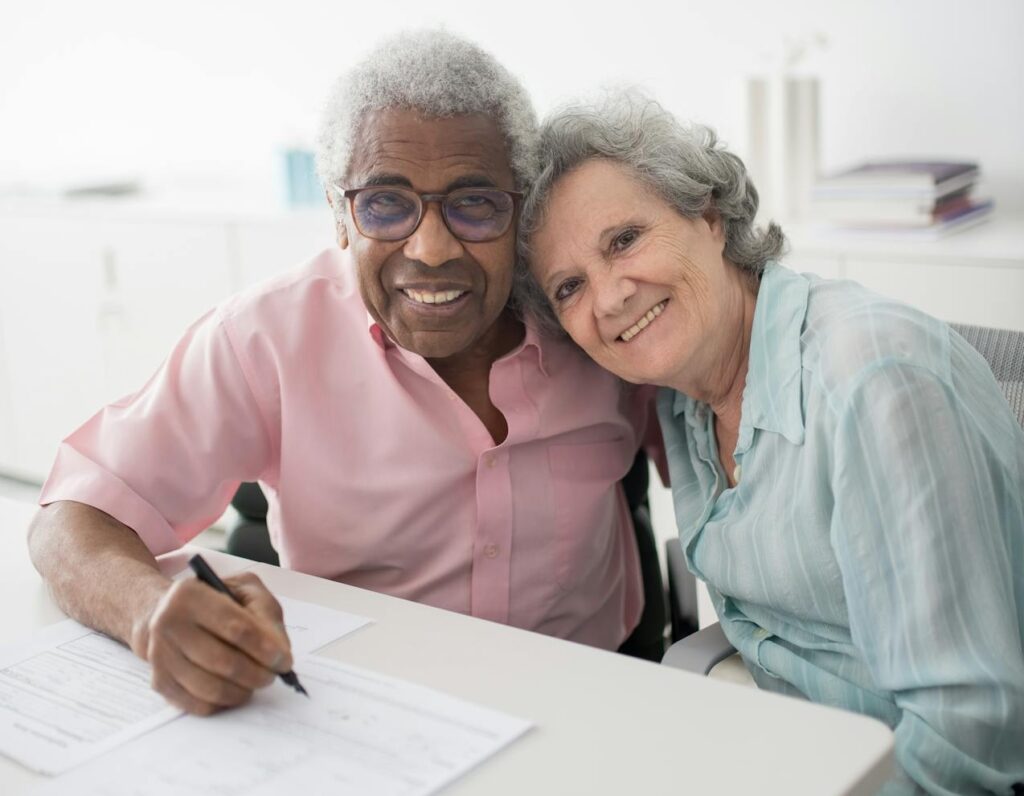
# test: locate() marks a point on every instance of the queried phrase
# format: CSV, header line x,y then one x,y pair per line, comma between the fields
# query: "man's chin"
x,y
435,344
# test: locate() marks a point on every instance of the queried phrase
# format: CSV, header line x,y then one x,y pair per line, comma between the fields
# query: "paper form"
x,y
361,734
69,693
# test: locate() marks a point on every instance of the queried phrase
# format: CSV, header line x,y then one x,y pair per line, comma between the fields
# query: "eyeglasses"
x,y
388,213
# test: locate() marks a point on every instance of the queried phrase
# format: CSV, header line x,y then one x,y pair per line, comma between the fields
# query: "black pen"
x,y
206,574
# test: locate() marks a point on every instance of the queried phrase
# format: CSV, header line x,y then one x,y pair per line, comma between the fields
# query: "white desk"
x,y
605,723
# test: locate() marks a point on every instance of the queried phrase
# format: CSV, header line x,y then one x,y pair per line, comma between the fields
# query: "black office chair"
x,y
248,538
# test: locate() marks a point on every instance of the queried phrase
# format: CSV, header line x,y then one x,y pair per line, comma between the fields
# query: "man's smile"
x,y
433,296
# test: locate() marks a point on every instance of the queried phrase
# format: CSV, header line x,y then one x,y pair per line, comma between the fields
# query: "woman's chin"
x,y
635,372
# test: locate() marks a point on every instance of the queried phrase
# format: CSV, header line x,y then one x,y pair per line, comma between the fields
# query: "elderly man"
x,y
412,435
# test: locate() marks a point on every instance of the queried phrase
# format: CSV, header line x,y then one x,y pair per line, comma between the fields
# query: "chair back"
x,y
1003,349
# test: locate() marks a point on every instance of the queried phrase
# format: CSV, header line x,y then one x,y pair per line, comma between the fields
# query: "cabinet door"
x,y
7,438
50,281
158,277
265,248
827,266
975,294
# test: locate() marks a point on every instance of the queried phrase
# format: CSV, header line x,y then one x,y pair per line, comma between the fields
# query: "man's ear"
x,y
339,223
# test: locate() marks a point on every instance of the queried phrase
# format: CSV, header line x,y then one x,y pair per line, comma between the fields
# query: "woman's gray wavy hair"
x,y
439,75
684,164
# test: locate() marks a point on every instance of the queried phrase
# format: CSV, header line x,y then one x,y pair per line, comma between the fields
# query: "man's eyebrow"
x,y
471,181
386,179
465,181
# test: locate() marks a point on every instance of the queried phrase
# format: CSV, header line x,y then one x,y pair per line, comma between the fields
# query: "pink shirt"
x,y
376,473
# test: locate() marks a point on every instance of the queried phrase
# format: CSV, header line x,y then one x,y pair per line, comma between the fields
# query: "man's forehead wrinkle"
x,y
449,170
377,148
397,140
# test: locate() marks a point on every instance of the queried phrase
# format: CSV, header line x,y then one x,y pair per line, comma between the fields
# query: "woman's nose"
x,y
611,294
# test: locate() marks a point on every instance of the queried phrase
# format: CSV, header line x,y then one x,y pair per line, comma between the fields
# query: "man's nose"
x,y
433,243
611,293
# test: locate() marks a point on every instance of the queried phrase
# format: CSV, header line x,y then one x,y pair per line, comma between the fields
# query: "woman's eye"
x,y
625,239
566,289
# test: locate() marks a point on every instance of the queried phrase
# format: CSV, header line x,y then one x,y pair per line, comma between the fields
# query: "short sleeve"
x,y
167,460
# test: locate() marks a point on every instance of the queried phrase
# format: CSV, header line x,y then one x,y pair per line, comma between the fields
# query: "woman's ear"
x,y
714,221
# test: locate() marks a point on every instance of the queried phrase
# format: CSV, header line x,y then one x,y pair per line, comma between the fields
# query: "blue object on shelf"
x,y
301,186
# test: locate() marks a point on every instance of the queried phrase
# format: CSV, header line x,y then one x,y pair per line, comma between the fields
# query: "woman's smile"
x,y
645,320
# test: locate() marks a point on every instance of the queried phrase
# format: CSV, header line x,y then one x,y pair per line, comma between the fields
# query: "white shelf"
x,y
996,242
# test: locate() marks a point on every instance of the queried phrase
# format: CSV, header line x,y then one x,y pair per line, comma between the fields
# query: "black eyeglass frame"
x,y
424,198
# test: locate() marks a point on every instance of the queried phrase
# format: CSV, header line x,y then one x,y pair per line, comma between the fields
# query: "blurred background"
x,y
145,151
199,95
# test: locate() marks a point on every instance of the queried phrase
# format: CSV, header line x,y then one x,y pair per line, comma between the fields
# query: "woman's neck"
x,y
721,387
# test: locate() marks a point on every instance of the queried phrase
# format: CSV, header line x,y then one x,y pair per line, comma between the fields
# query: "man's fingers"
x,y
242,628
258,599
180,698
227,662
206,690
255,596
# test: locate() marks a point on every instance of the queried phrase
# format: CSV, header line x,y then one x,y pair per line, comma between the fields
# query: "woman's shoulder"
x,y
850,331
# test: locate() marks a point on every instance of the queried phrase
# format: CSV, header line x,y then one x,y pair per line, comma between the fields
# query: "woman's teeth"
x,y
427,297
643,323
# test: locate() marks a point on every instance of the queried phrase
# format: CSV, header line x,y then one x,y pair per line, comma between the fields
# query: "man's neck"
x,y
468,372
504,335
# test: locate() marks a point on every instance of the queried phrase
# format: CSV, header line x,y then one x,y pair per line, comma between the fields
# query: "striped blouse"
x,y
871,556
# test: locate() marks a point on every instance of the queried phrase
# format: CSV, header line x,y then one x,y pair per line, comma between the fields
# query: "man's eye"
x,y
567,288
625,239
388,204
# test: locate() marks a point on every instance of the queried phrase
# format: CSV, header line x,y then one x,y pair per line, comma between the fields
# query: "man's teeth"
x,y
427,297
643,323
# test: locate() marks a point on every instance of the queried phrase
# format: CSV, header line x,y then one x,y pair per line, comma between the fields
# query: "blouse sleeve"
x,y
927,530
166,460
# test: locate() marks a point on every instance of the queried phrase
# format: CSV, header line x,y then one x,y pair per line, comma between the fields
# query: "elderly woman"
x,y
847,477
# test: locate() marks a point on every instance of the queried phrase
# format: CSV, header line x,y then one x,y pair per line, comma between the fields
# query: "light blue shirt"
x,y
871,556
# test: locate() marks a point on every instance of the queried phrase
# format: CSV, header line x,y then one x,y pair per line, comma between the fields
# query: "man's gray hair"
x,y
438,74
684,164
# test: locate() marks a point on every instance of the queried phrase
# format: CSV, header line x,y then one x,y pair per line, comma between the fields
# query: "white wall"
x,y
188,91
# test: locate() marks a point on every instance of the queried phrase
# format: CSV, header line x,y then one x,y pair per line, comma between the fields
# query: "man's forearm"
x,y
98,570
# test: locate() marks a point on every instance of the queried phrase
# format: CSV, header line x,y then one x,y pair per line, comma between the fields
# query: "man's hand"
x,y
209,653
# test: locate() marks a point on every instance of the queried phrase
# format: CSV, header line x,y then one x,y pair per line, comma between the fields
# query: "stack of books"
x,y
927,198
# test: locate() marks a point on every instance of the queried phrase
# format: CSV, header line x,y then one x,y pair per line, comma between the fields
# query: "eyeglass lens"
x,y
472,214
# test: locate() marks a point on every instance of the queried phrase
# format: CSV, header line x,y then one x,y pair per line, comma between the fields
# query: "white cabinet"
x,y
266,247
827,266
978,295
93,297
50,282
975,276
158,277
